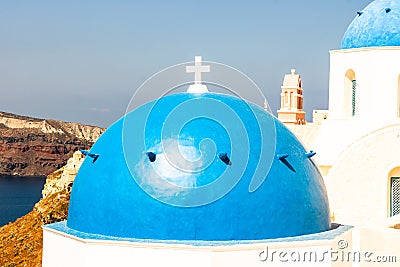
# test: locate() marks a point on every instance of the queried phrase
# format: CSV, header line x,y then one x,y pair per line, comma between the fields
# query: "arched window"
x,y
286,99
394,191
350,90
291,100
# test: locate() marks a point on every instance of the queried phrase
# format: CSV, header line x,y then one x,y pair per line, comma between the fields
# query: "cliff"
x,y
21,241
37,147
63,178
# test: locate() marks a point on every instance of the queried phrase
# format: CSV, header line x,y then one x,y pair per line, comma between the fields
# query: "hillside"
x,y
21,241
37,147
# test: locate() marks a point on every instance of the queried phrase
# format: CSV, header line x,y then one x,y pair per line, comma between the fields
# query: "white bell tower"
x,y
291,111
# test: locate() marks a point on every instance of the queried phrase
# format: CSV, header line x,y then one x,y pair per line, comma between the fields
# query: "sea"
x,y
18,195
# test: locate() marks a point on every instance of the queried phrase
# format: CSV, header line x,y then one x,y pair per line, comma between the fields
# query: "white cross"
x,y
198,69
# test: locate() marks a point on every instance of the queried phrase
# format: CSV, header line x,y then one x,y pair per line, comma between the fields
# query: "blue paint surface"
x,y
257,197
375,26
331,234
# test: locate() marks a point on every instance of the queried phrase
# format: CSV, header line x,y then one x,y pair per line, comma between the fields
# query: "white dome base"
x,y
65,247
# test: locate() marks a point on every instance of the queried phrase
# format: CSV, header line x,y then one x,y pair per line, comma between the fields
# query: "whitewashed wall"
x,y
358,183
61,250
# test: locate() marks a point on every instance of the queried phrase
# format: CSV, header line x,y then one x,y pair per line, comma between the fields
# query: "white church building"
x,y
142,200
358,144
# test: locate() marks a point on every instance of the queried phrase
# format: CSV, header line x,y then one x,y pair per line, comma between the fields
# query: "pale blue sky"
x,y
82,60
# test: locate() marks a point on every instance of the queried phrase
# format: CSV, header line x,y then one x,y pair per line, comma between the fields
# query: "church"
x,y
357,140
205,179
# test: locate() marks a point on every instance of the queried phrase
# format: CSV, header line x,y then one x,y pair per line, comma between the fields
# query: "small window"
x,y
286,99
353,97
349,96
225,159
152,156
395,196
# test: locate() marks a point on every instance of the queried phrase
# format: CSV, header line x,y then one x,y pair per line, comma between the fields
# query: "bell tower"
x,y
291,111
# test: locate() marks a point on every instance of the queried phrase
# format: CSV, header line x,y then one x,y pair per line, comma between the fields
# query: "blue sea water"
x,y
18,195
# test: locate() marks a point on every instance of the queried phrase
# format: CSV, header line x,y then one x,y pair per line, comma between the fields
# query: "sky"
x,y
82,61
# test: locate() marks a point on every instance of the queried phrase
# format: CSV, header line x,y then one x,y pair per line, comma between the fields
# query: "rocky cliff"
x,y
21,241
63,178
37,147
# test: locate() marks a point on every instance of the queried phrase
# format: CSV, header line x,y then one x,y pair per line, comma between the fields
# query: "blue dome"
x,y
377,25
199,167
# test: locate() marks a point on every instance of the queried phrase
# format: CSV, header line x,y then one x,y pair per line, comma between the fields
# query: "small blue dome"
x,y
199,167
377,25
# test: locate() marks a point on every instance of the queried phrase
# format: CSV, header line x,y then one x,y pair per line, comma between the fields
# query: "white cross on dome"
x,y
197,69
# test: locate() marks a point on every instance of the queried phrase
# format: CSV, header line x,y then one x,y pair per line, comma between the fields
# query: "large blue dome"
x,y
199,167
377,25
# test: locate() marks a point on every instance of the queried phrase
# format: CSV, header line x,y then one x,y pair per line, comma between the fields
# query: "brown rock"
x,y
21,241
35,147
